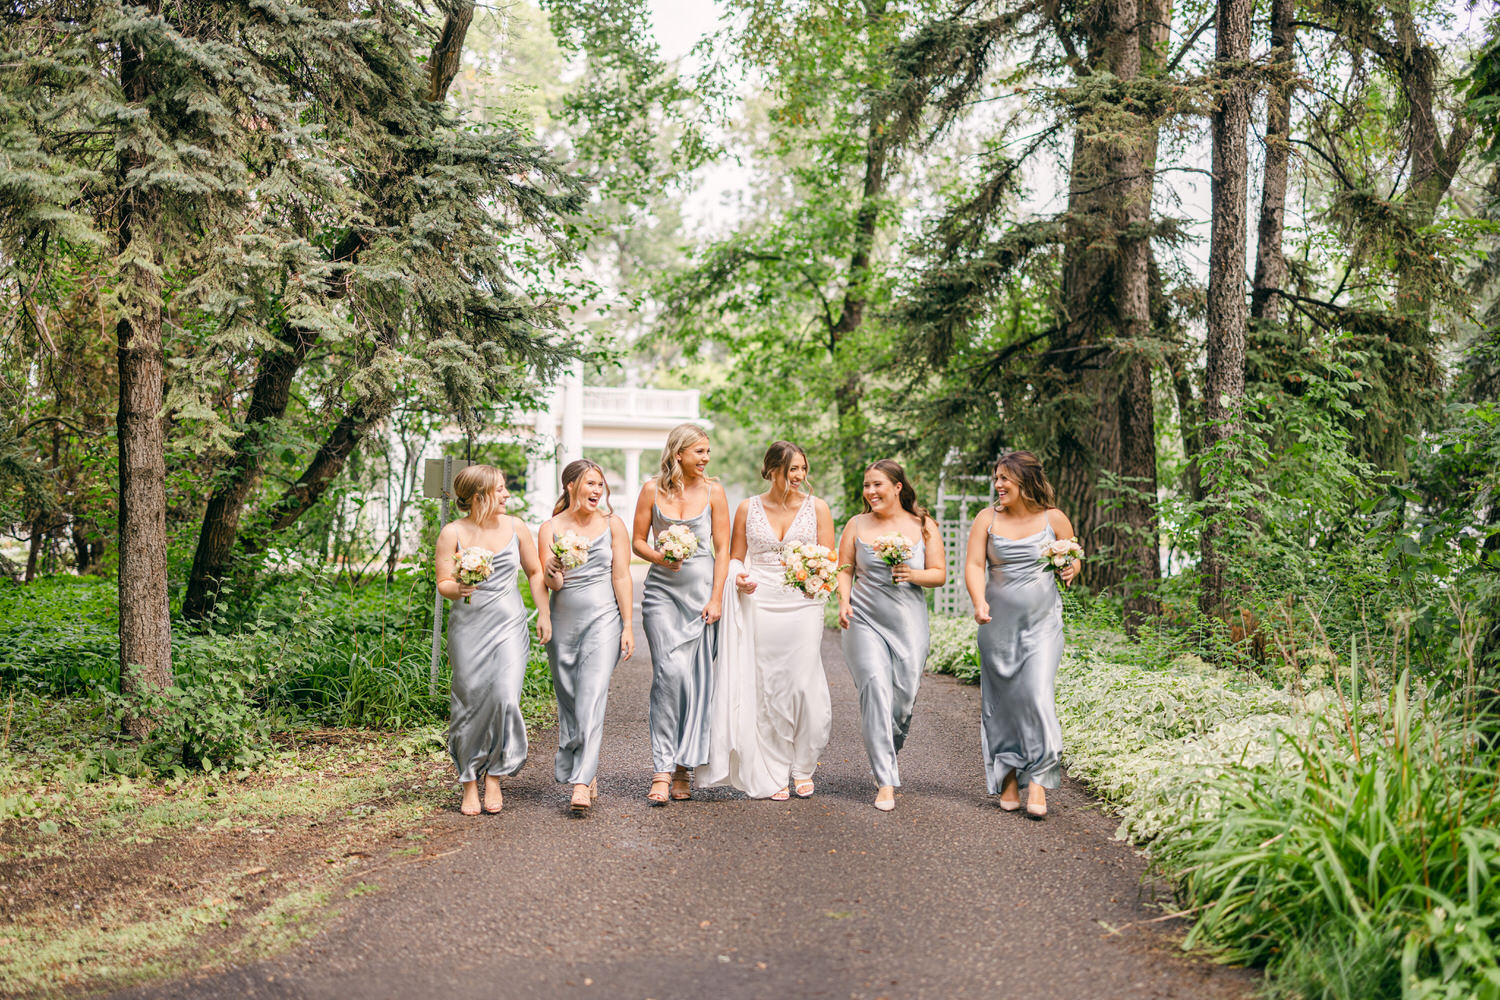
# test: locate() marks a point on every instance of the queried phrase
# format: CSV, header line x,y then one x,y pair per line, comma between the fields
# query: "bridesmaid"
x,y
680,605
1020,632
487,640
884,612
590,622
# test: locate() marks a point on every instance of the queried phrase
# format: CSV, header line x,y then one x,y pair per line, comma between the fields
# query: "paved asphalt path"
x,y
721,897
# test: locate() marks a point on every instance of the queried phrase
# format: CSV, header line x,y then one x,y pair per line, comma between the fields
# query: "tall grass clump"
x,y
1369,868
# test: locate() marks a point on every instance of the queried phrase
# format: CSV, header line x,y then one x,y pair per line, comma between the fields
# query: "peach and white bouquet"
x,y
571,549
811,569
472,566
677,543
1060,554
893,548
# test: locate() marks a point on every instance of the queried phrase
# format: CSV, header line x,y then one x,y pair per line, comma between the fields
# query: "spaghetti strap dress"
x,y
583,651
1019,652
488,643
885,646
682,648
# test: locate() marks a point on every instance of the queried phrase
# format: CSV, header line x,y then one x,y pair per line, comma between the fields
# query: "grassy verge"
x,y
299,749
1341,831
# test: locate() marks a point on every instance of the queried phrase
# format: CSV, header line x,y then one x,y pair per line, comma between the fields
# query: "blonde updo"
x,y
669,480
474,491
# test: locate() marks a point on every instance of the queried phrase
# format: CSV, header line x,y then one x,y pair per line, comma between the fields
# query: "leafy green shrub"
x,y
59,635
1370,870
953,648
217,712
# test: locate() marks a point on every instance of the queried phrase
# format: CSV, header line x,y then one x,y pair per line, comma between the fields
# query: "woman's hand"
x,y
543,628
744,584
982,613
671,566
712,611
901,573
464,590
1070,572
627,644
845,611
553,567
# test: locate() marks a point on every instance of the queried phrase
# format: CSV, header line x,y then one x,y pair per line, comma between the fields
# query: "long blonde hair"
x,y
571,473
682,437
474,491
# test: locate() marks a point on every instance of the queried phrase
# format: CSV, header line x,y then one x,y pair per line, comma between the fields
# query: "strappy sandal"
x,y
660,782
682,786
499,802
582,800
804,788
780,796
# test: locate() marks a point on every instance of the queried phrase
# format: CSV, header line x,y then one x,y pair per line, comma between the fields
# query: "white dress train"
x,y
770,714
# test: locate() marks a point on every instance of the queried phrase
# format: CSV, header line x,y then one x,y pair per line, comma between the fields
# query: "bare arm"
x,y
552,569
739,546
1063,529
825,523
934,569
640,537
532,567
619,543
974,568
846,572
719,518
447,549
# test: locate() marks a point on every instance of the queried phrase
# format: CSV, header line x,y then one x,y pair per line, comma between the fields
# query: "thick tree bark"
x,y
1106,302
849,393
1270,261
1224,374
145,623
269,397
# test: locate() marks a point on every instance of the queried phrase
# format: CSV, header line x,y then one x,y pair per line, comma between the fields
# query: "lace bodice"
x,y
763,548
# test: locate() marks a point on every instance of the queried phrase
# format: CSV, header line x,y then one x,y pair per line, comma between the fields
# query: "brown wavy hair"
x,y
779,458
474,491
571,473
1025,470
905,492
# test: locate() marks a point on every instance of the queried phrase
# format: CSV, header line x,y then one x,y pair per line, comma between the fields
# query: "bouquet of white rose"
x,y
1060,554
472,566
677,543
571,549
893,548
811,569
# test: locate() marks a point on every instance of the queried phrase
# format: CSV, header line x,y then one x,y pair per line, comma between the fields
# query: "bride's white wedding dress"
x,y
770,713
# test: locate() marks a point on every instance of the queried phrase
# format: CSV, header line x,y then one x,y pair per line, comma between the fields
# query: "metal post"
x,y
437,599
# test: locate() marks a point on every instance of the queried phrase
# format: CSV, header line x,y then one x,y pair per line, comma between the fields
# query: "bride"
x,y
771,712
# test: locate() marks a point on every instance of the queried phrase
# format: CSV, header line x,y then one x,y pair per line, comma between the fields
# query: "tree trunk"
x,y
1106,304
221,519
1224,374
1270,261
442,65
145,623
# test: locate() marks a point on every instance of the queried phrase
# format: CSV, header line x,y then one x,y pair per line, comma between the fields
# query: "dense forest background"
x,y
1227,267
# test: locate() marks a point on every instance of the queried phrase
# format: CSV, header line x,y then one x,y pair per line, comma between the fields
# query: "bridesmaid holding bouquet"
x,y
682,529
487,638
1011,548
587,569
888,553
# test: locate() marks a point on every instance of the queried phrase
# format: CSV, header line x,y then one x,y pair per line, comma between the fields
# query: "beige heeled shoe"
x,y
885,799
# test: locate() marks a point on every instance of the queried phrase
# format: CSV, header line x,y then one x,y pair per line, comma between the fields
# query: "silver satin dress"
x,y
488,642
1019,650
682,648
885,646
583,651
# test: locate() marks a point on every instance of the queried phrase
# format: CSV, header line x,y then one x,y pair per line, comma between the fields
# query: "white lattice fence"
x,y
954,512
